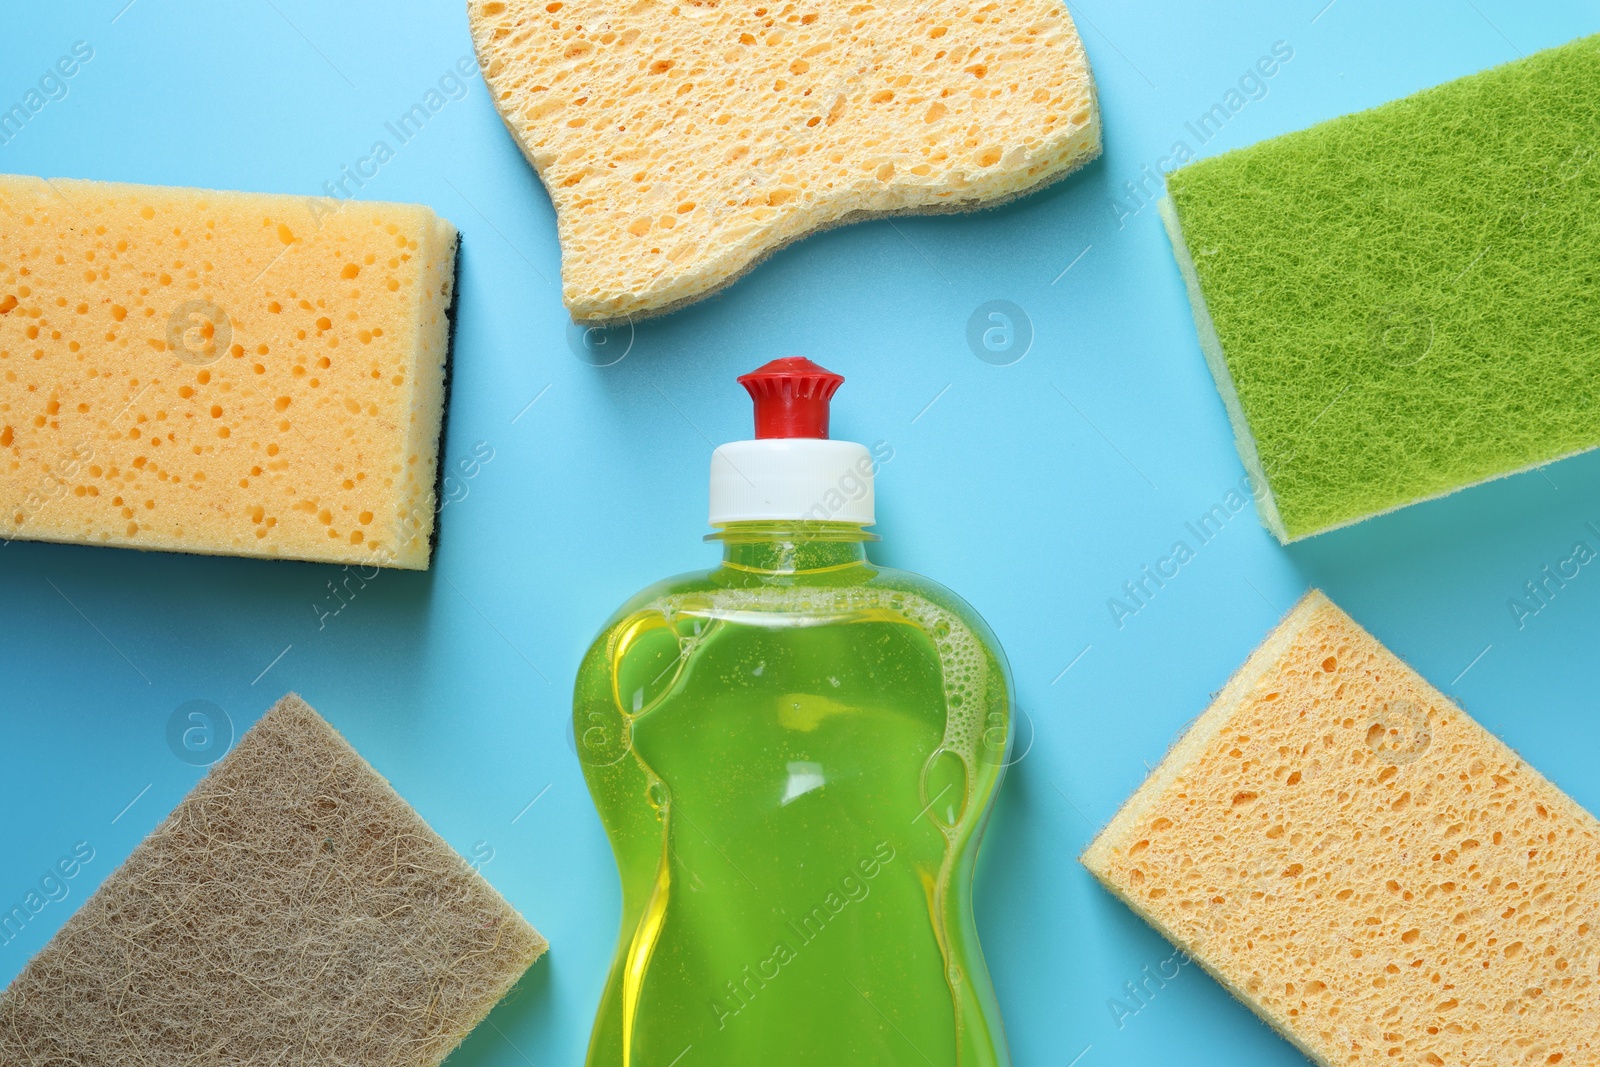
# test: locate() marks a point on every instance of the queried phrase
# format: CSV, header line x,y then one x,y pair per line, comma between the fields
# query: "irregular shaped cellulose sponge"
x,y
1404,302
1366,867
229,373
292,910
681,143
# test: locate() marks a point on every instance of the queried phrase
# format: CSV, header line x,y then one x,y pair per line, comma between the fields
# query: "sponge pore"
x,y
1404,302
292,910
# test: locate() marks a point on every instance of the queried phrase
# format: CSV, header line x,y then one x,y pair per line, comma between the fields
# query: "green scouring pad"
x,y
1403,302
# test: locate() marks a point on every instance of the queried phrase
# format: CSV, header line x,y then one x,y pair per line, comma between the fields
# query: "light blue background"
x,y
1035,490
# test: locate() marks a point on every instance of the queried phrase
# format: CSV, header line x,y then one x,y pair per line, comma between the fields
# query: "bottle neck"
x,y
792,547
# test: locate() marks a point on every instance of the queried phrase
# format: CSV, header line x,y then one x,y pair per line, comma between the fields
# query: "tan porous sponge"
x,y
293,910
231,373
1366,867
682,142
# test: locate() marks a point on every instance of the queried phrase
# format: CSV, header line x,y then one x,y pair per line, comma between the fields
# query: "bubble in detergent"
x,y
961,657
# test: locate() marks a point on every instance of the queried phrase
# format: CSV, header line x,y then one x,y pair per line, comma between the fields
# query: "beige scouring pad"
x,y
1367,868
292,910
228,373
681,143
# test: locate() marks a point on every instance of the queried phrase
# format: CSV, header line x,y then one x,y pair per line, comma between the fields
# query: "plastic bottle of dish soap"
x,y
794,755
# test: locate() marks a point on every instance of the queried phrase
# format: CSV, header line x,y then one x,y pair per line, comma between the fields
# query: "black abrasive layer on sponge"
x,y
293,910
1403,302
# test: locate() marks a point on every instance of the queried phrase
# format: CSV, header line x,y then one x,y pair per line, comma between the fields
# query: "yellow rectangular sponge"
x,y
293,910
231,373
1368,869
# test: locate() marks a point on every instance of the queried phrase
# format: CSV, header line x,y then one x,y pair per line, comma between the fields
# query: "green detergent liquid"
x,y
794,756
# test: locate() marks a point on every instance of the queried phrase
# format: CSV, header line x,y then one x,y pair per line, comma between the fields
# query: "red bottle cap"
x,y
791,396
